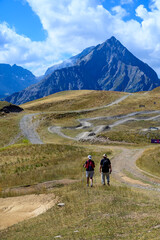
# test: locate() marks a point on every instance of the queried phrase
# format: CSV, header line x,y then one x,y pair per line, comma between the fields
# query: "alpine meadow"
x,y
36,178
79,120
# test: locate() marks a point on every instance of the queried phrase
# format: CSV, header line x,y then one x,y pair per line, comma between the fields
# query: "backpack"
x,y
90,165
105,166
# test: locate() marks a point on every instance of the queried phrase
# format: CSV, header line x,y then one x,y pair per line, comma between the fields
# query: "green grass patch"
x,y
125,136
72,132
30,164
150,161
9,128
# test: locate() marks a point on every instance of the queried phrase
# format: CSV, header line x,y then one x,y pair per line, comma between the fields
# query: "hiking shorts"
x,y
89,174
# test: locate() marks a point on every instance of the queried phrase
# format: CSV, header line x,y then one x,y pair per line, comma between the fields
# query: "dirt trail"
x,y
126,171
16,209
28,128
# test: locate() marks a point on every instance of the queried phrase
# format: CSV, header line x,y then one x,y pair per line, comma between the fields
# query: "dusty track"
x,y
28,128
16,209
126,171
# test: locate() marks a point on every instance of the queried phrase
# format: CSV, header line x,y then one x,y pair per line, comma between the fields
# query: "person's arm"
x,y
110,168
100,168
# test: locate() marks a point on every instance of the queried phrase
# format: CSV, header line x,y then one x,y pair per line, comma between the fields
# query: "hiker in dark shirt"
x,y
105,169
89,165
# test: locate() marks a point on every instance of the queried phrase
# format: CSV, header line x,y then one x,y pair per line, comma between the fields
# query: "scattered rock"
x,y
61,204
155,227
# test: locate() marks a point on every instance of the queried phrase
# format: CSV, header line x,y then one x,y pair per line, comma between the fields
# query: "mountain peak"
x,y
108,66
112,39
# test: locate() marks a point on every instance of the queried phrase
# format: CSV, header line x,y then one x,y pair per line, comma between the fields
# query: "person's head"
x,y
89,157
104,155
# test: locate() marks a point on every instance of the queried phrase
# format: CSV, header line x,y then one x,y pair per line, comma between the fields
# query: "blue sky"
x,y
19,15
37,34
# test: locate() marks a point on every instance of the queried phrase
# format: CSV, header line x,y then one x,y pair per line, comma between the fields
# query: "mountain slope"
x,y
69,62
108,66
14,79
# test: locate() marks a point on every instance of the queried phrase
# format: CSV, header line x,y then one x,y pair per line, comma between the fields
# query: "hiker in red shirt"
x,y
89,165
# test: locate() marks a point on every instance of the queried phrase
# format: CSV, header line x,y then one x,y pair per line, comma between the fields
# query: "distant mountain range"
x,y
108,66
14,79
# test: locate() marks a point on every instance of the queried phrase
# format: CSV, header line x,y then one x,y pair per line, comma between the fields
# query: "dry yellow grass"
x,y
101,212
3,103
73,100
9,128
60,96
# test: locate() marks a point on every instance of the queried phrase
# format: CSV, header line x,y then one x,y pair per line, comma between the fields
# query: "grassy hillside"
x,y
30,164
85,99
150,161
102,212
94,213
3,103
73,100
9,128
69,101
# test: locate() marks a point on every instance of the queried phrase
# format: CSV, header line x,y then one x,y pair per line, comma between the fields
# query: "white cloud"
x,y
74,25
142,12
119,12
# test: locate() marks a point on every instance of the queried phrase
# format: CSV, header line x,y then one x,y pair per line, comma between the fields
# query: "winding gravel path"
x,y
124,163
86,123
28,128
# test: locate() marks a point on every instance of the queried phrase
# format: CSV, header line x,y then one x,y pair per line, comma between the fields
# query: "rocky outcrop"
x,y
11,108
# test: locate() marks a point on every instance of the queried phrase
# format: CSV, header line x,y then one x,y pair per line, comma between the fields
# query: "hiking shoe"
x,y
91,185
108,184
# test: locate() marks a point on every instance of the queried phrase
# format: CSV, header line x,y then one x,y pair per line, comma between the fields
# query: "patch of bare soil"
x,y
17,209
134,181
29,189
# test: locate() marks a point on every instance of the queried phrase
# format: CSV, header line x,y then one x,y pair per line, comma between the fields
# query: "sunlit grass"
x,y
101,212
150,161
30,164
73,100
9,128
3,104
95,213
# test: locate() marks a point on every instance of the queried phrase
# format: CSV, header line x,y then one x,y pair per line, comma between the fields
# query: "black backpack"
x,y
106,164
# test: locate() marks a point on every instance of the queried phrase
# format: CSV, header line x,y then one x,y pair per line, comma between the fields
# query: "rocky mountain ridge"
x,y
108,66
14,79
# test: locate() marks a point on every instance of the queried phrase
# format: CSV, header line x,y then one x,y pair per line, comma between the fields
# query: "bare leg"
x,y
91,182
87,181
